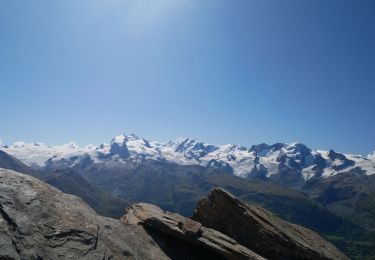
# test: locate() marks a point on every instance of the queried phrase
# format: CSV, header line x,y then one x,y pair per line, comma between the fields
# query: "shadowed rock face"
x,y
261,231
187,231
38,221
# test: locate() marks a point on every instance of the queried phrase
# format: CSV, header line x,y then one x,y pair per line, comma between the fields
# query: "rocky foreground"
x,y
38,221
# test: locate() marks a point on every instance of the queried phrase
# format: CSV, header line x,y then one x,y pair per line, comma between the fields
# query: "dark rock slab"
x,y
187,230
261,231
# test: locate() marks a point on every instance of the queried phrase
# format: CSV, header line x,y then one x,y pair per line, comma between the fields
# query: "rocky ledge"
x,y
38,221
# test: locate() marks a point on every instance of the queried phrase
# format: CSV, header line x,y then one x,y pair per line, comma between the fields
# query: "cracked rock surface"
x,y
38,221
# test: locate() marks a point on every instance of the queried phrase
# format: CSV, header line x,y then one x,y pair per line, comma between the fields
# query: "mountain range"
x,y
330,192
296,162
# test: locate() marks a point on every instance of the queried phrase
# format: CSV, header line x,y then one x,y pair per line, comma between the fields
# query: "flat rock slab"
x,y
190,227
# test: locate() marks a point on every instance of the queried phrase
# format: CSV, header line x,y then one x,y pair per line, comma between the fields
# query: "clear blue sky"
x,y
239,71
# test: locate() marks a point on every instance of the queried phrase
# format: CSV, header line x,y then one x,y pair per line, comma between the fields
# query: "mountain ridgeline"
x,y
290,164
329,192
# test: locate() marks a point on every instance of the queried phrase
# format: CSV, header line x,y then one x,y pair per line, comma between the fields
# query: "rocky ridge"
x,y
187,230
260,230
38,221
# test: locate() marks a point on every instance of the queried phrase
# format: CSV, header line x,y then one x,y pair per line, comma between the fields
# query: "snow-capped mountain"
x,y
37,154
257,161
371,156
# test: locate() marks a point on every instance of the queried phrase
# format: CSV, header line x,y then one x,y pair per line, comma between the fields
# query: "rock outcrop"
x,y
38,221
261,231
187,231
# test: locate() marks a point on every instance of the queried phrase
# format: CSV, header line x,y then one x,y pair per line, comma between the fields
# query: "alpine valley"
x,y
327,191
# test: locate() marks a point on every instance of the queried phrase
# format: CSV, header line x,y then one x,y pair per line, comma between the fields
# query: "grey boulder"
x,y
38,221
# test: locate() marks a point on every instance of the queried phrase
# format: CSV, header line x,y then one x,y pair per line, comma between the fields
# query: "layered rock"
x,y
187,231
260,230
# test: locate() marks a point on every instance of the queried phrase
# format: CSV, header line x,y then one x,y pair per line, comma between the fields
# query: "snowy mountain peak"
x,y
123,138
71,145
118,147
264,149
119,139
134,137
90,147
38,153
298,147
232,148
131,140
183,144
297,150
193,149
260,160
19,144
333,155
182,140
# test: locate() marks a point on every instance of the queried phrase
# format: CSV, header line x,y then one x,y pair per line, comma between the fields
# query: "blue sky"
x,y
221,71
